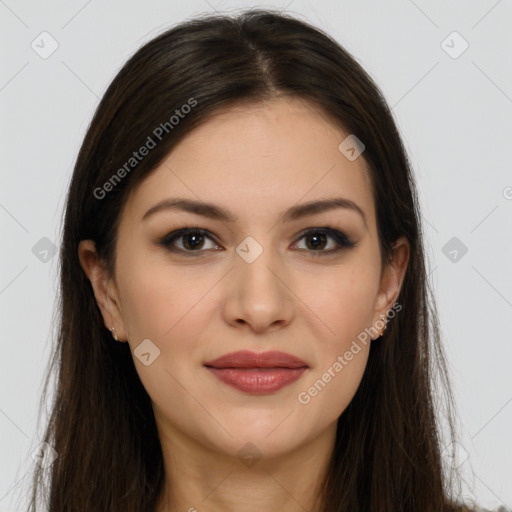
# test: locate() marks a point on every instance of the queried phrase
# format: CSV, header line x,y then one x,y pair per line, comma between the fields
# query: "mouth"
x,y
257,373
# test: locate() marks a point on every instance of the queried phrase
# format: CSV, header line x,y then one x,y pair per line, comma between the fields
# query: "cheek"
x,y
163,303
331,387
172,308
343,299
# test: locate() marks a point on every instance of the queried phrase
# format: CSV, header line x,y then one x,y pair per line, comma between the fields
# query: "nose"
x,y
259,298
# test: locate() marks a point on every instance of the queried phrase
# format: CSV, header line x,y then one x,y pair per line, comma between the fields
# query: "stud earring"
x,y
113,331
383,317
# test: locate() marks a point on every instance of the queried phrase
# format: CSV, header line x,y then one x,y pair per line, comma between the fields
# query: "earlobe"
x,y
104,293
392,278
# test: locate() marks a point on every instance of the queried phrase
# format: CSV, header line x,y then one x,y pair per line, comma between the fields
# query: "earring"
x,y
113,331
385,325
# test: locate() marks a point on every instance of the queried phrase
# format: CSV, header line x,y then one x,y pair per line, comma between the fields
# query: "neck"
x,y
199,479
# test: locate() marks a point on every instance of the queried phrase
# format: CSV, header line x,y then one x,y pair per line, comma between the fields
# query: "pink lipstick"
x,y
257,372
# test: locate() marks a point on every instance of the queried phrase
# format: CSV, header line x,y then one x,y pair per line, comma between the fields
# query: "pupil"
x,y
317,236
195,243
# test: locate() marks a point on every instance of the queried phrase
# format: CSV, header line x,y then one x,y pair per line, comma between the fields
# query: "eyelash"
x,y
343,241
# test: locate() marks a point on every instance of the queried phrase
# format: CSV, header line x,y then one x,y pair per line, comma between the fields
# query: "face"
x,y
267,275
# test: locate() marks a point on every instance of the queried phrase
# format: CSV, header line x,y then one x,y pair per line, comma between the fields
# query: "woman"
x,y
246,321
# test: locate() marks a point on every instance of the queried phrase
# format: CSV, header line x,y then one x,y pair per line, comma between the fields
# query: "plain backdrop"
x,y
446,71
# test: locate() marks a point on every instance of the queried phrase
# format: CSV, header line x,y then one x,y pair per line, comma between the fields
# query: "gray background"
x,y
455,115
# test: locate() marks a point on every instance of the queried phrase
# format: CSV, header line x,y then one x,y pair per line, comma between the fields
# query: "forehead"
x,y
260,158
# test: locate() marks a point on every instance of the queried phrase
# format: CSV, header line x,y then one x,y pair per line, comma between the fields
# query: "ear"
x,y
104,288
392,277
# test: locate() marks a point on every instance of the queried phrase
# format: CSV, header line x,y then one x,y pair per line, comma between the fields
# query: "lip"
x,y
248,359
257,372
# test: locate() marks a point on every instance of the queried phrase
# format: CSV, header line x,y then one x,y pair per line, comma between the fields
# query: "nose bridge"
x,y
256,268
255,259
257,293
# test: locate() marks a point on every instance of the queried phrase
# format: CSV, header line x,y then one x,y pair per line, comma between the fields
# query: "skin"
x,y
256,162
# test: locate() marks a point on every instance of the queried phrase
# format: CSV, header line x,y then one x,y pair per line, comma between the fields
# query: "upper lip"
x,y
248,359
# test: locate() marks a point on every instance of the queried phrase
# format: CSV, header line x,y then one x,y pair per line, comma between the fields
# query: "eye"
x,y
317,240
192,240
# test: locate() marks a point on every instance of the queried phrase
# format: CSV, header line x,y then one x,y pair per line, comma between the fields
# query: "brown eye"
x,y
192,240
318,239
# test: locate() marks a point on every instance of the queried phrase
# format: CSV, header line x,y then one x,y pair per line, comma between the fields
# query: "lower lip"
x,y
258,381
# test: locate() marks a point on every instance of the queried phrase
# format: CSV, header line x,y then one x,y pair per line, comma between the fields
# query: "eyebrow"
x,y
215,212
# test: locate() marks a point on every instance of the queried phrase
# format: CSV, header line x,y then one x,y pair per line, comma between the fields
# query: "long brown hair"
x,y
387,455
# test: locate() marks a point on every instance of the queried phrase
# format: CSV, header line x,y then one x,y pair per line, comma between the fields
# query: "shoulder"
x,y
480,509
476,508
